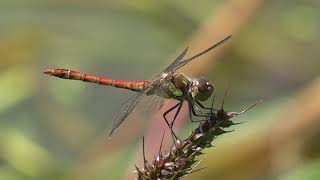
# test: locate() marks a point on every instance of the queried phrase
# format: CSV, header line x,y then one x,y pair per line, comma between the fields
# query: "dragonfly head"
x,y
201,88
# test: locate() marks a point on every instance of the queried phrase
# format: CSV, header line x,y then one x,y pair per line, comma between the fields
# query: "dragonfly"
x,y
168,84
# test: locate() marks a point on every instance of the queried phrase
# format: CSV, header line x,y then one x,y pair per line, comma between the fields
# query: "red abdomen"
x,y
75,75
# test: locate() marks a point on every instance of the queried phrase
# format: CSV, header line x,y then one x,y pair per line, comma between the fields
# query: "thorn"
x,y
233,114
197,164
136,167
233,123
229,131
137,171
214,95
247,109
218,131
174,137
196,170
144,157
161,143
225,94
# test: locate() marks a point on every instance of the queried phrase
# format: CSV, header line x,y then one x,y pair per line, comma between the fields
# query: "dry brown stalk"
x,y
180,159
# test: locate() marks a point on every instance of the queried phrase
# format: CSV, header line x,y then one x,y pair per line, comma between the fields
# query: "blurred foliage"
x,y
47,124
310,171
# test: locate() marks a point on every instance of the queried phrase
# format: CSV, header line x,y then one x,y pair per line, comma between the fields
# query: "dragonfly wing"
x,y
176,61
127,108
152,103
186,61
133,101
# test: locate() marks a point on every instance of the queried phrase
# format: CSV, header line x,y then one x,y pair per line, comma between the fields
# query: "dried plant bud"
x,y
147,166
178,144
180,159
197,149
169,166
218,131
164,173
197,136
159,161
181,162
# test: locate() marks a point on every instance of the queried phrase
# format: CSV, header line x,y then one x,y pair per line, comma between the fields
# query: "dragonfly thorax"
x,y
201,88
172,85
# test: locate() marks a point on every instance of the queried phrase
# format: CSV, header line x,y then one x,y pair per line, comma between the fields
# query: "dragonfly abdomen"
x,y
75,75
132,85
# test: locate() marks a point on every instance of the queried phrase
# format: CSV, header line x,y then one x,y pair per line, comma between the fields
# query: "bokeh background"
x,y
57,129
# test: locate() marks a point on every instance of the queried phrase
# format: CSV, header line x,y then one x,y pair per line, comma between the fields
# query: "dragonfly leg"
x,y
177,112
192,112
202,106
168,111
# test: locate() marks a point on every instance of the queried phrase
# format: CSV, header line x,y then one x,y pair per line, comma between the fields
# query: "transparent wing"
x,y
139,101
176,61
186,61
127,108
152,103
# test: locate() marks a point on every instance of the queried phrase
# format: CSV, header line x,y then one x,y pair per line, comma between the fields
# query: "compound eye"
x,y
205,88
208,85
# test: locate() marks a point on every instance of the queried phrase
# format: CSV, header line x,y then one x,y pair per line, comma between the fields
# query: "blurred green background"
x,y
49,126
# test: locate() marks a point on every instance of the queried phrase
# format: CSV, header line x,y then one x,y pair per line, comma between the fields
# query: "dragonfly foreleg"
x,y
202,106
170,125
192,112
177,112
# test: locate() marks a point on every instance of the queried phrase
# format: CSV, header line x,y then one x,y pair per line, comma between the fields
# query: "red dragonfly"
x,y
169,84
